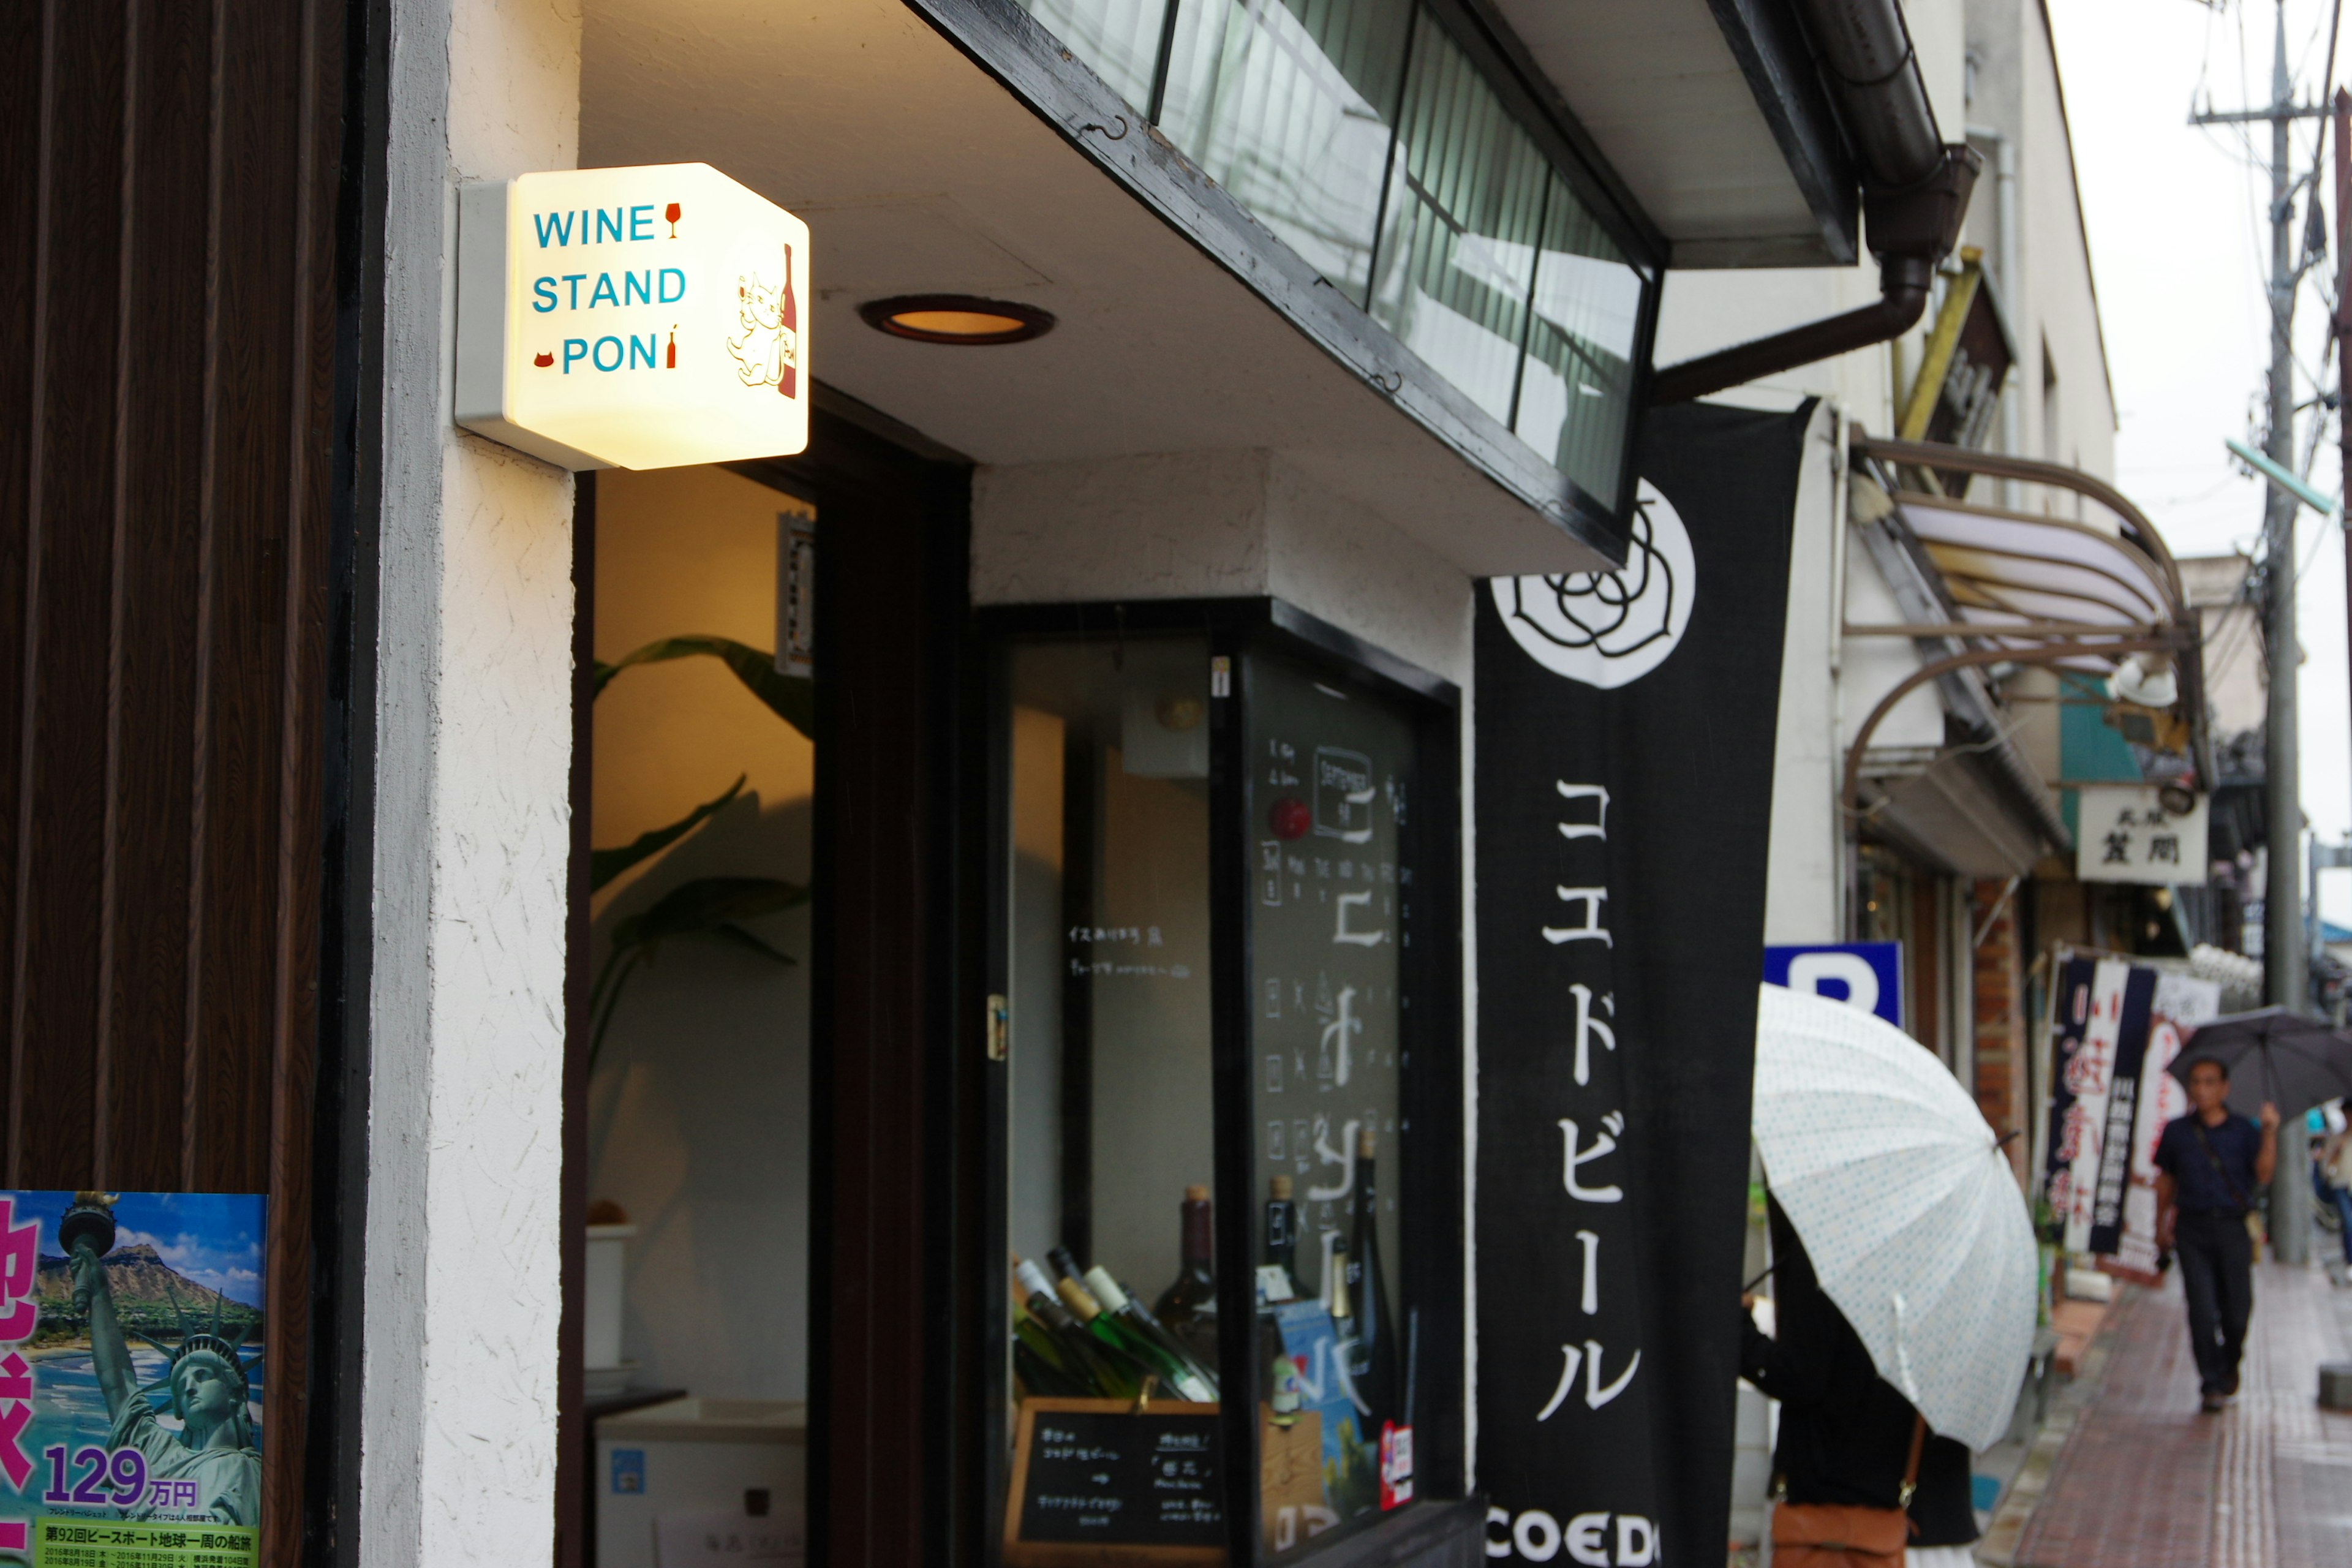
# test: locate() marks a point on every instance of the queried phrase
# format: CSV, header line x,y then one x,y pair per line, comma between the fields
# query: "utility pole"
x,y
2288,976
2286,971
2342,107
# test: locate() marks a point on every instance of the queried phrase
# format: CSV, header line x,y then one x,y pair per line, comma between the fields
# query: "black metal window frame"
x,y
1013,46
1433,1188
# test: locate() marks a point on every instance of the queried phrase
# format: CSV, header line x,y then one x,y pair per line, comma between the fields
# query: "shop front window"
x,y
1217,1309
1112,1177
1330,789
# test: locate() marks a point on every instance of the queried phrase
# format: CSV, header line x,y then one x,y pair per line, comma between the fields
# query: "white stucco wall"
x,y
1872,667
474,740
1803,880
2051,303
1217,524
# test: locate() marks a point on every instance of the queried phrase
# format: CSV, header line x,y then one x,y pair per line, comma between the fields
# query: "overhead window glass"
x,y
1577,390
1120,39
1382,151
1288,106
1465,207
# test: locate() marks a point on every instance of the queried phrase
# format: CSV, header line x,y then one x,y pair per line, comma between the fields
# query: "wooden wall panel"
x,y
61,751
169,180
143,1034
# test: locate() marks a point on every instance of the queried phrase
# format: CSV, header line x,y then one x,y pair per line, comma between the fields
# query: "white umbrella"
x,y
1909,1213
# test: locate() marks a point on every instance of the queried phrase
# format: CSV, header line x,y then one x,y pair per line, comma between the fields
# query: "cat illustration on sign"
x,y
768,353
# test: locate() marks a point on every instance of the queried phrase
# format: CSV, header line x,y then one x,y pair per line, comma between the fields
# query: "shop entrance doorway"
x,y
762,985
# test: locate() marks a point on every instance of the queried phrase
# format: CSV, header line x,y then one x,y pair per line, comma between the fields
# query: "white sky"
x,y
2180,246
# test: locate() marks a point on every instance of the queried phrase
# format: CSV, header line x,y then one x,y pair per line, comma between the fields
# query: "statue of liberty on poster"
x,y
130,1378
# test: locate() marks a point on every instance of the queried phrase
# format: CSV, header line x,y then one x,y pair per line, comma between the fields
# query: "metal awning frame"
x,y
2170,628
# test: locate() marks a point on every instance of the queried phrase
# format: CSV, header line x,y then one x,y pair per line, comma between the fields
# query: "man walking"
x,y
2209,1164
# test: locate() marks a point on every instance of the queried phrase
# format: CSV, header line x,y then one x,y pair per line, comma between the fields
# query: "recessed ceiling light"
x,y
956,318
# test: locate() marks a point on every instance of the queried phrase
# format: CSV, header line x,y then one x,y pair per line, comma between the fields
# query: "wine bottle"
x,y
1069,1277
1188,1307
1173,1367
1282,1230
1036,1377
788,378
1038,1341
1373,1362
1124,1321
1081,1353
1174,1372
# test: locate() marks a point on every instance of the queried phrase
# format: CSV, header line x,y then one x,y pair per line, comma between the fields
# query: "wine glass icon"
x,y
670,212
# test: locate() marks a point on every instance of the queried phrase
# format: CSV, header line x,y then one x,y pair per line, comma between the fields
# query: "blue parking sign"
x,y
1865,974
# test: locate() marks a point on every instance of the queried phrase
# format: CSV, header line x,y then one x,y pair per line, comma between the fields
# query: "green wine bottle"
x,y
1038,1377
1176,1372
1112,1374
1121,1303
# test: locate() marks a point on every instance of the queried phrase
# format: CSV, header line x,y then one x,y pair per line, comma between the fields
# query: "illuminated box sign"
x,y
632,318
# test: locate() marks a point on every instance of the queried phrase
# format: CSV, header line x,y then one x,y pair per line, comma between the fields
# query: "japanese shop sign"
x,y
636,317
131,1371
1625,782
2126,834
2117,1029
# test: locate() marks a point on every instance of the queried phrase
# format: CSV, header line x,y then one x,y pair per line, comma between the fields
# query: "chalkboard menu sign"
x,y
1096,1482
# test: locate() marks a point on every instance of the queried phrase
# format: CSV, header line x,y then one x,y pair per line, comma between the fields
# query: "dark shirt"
x,y
1845,1431
2196,1186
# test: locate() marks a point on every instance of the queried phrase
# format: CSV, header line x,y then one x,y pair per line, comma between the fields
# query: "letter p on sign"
x,y
1864,974
1809,971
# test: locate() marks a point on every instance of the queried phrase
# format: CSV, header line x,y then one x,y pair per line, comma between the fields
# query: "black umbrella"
x,y
2273,1055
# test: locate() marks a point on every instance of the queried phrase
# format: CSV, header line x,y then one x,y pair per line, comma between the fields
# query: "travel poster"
x,y
1352,1469
130,1400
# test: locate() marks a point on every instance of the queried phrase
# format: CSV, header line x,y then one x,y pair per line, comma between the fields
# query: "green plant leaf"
x,y
740,937
707,906
699,907
792,698
603,864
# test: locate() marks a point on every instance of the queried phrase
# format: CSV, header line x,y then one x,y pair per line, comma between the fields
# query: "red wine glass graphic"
x,y
670,212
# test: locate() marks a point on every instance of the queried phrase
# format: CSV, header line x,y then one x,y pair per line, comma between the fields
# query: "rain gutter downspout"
x,y
1915,193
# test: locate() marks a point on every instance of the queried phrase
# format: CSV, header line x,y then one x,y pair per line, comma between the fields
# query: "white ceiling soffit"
x,y
1712,117
919,173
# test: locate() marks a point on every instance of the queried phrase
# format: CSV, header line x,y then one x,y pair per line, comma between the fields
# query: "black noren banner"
x,y
1625,782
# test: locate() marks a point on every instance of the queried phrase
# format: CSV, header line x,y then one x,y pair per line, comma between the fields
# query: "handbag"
x,y
1840,1535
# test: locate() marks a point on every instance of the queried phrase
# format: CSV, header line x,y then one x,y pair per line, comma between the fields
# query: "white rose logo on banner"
x,y
1607,628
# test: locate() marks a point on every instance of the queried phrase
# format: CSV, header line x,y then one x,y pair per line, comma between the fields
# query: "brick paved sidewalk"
x,y
2147,1481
